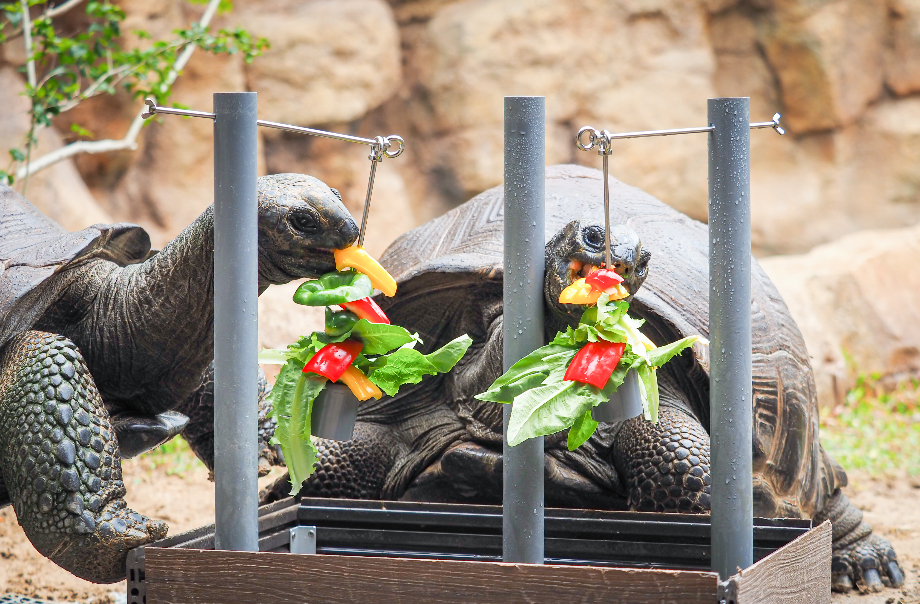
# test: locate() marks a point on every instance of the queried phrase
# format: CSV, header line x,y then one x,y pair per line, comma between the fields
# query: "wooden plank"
x,y
799,572
182,576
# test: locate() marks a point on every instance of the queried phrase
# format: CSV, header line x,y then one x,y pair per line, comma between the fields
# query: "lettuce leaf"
x,y
292,399
581,431
549,408
380,338
334,288
661,355
529,372
409,366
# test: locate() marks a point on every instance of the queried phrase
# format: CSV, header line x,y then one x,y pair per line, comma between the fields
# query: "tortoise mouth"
x,y
579,269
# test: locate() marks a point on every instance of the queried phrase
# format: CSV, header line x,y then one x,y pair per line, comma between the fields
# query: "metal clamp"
x,y
381,146
303,540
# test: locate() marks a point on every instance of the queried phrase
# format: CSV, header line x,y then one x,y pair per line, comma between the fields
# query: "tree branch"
x,y
130,139
27,39
60,9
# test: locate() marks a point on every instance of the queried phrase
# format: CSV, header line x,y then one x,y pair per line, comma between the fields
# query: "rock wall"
x,y
845,74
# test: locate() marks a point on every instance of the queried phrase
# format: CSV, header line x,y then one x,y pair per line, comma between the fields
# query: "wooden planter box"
x,y
371,552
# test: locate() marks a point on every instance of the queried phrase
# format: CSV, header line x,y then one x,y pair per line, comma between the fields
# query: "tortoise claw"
x,y
841,583
895,575
872,581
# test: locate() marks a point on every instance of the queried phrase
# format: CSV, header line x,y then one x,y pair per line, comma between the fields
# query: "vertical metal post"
x,y
235,322
730,334
525,166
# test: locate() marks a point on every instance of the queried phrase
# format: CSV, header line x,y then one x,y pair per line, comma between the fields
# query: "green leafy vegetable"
x,y
543,402
388,358
292,399
550,408
380,338
661,355
334,288
529,372
409,366
581,430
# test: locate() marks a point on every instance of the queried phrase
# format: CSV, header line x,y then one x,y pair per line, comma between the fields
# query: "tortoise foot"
x,y
860,559
60,461
666,465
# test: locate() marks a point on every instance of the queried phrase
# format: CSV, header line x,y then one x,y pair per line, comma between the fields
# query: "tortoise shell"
x,y
450,269
35,253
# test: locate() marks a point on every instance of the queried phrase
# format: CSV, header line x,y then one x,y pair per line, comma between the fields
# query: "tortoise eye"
x,y
304,223
594,236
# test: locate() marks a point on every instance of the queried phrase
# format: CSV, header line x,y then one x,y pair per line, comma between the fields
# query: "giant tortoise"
x,y
100,339
435,442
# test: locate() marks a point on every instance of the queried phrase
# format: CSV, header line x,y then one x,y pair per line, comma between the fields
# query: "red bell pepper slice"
x,y
603,279
594,363
366,308
333,359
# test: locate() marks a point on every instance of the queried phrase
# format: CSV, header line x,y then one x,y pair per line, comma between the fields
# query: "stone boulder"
x,y
614,65
903,58
330,60
856,301
828,58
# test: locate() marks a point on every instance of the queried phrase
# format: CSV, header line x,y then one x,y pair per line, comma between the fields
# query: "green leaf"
x,y
380,338
550,408
506,392
649,388
444,358
581,430
292,399
540,363
334,288
273,356
661,355
409,366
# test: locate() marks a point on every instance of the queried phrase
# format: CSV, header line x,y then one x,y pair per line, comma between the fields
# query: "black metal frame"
x,y
444,531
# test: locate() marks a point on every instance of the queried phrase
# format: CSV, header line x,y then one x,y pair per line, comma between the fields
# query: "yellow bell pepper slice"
x,y
355,257
579,292
359,385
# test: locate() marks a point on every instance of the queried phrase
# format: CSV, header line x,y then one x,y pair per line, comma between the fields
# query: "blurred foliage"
x,y
65,69
175,455
877,429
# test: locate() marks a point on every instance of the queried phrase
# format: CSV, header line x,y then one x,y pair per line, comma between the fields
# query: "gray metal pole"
x,y
525,166
235,322
730,334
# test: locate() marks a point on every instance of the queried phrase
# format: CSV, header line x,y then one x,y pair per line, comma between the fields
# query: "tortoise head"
x,y
301,221
578,248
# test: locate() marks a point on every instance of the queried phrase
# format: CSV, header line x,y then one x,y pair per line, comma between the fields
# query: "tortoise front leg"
x,y
199,432
60,462
665,465
858,556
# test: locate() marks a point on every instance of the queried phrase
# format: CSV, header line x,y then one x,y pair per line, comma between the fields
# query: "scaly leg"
x,y
60,462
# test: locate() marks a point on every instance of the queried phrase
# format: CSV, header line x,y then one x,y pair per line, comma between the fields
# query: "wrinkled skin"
x,y
132,342
437,443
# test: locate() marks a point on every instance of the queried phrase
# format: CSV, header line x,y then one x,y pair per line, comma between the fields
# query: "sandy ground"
x,y
186,501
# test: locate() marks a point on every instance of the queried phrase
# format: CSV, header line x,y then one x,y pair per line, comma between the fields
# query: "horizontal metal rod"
x,y
646,133
387,141
602,138
315,132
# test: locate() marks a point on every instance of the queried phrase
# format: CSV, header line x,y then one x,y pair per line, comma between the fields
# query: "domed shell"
x,y
35,252
450,269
